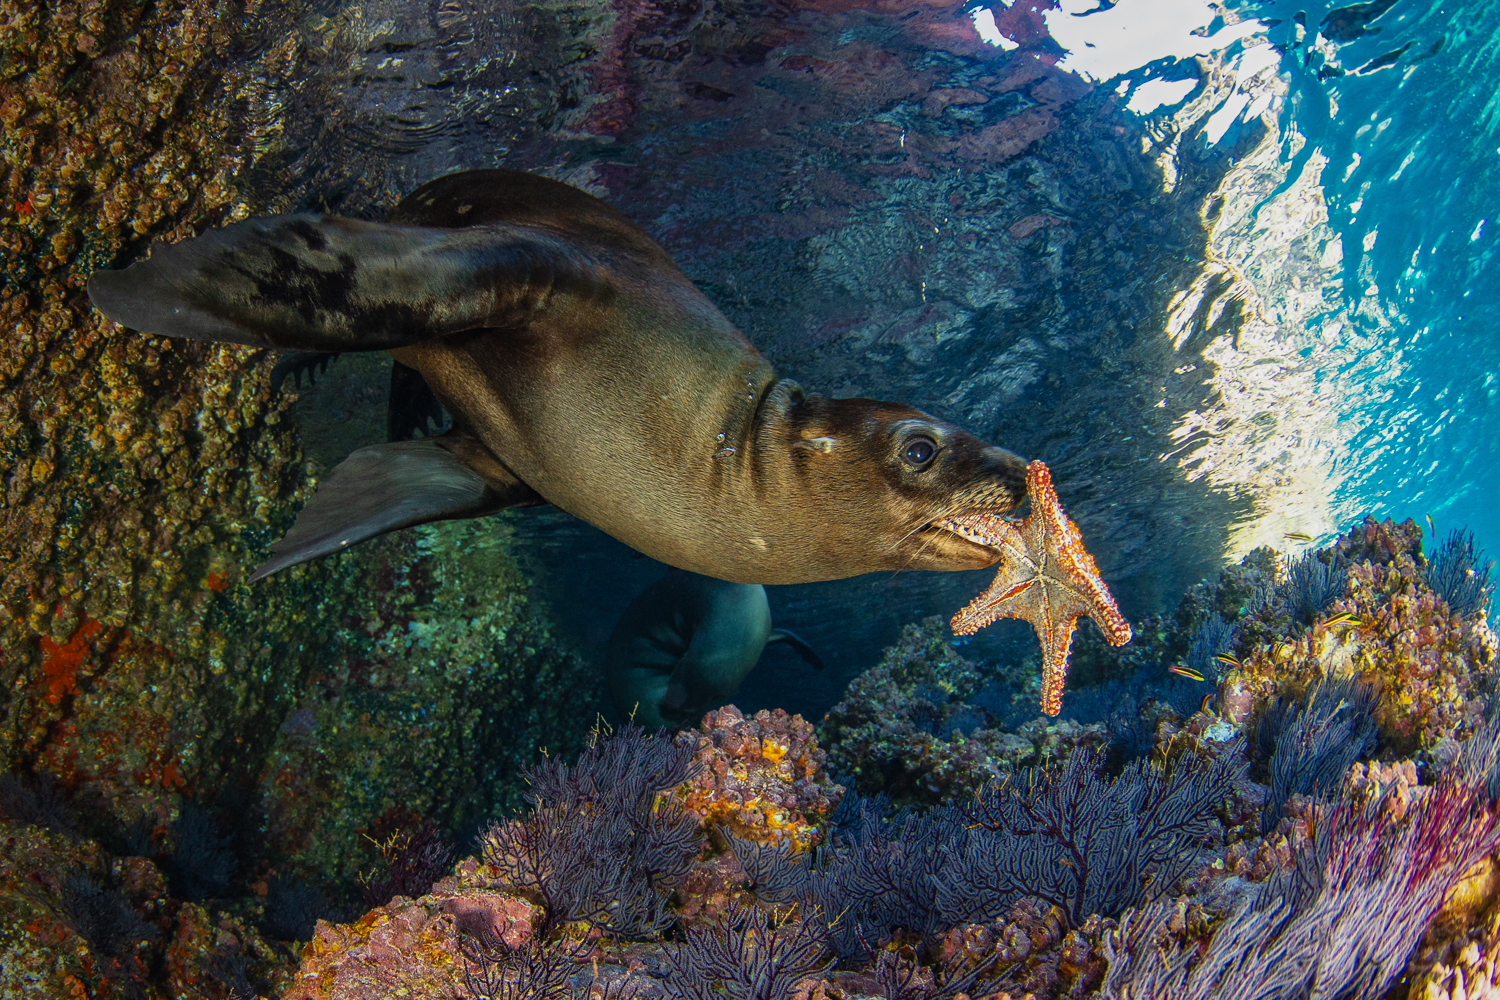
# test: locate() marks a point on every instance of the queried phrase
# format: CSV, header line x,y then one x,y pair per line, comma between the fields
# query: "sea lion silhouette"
x,y
582,369
685,643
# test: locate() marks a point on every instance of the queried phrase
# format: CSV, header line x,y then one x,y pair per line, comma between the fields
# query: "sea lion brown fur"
x,y
582,369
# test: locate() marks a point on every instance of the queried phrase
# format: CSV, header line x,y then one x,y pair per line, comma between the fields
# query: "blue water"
x,y
1414,156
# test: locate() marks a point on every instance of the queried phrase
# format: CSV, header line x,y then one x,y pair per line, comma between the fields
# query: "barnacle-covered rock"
x,y
1467,968
762,777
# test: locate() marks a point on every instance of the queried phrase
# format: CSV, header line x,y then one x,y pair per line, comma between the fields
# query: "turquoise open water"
x,y
1413,164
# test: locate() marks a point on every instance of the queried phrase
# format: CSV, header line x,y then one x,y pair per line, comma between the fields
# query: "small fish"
x,y
1347,618
1228,659
1182,671
1298,536
1205,705
1432,528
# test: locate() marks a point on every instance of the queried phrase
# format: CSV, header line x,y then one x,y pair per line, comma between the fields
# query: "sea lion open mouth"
x,y
980,527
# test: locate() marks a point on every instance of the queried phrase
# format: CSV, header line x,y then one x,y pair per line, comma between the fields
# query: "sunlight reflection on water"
x,y
1365,375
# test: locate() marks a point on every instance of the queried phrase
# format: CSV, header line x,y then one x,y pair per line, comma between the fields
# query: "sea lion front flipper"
x,y
797,643
389,486
323,283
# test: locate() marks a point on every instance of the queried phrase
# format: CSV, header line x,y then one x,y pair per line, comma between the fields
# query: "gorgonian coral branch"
x,y
751,955
1343,922
601,845
1082,842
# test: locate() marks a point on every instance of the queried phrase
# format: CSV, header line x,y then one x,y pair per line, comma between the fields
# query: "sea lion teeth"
x,y
986,529
580,367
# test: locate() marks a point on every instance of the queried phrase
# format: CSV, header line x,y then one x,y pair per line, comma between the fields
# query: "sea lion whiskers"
x,y
950,510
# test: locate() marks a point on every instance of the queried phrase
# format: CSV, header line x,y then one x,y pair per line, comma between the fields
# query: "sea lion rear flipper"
x,y
322,283
797,643
411,406
389,486
294,364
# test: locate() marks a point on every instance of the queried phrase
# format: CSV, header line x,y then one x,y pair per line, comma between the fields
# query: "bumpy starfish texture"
x,y
1046,577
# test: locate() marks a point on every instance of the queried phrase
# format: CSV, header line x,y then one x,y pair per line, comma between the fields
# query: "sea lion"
x,y
685,643
582,369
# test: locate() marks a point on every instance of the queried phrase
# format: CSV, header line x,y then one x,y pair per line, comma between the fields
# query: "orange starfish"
x,y
1046,577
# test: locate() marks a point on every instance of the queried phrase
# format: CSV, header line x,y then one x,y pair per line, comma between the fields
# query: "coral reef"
x,y
1387,627
413,945
927,726
1059,881
761,778
752,955
75,921
603,844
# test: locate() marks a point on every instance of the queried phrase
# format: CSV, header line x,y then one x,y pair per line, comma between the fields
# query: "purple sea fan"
x,y
752,955
1085,843
1342,924
600,846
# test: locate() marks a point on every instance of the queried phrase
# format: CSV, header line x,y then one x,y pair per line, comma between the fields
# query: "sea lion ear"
x,y
322,283
823,445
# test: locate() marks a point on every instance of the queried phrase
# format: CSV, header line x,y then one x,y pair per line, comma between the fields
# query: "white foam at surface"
x,y
984,23
1154,93
1135,32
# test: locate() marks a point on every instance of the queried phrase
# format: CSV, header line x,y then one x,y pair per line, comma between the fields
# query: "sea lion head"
x,y
874,480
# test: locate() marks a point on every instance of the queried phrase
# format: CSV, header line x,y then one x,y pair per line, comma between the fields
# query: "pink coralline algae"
x,y
412,947
761,777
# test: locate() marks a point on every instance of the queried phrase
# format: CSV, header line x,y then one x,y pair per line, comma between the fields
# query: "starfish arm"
x,y
999,601
1057,639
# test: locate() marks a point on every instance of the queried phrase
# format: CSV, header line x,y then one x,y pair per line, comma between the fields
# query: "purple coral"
x,y
1314,747
534,970
1343,922
885,874
774,872
411,860
1085,843
1455,575
750,956
599,846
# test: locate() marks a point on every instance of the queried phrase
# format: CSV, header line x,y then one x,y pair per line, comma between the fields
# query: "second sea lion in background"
x,y
582,369
683,646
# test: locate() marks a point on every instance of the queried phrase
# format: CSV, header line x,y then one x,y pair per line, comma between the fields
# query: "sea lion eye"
x,y
918,452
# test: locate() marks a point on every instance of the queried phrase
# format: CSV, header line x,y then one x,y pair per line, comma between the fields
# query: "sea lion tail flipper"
x,y
797,643
411,406
389,486
323,283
